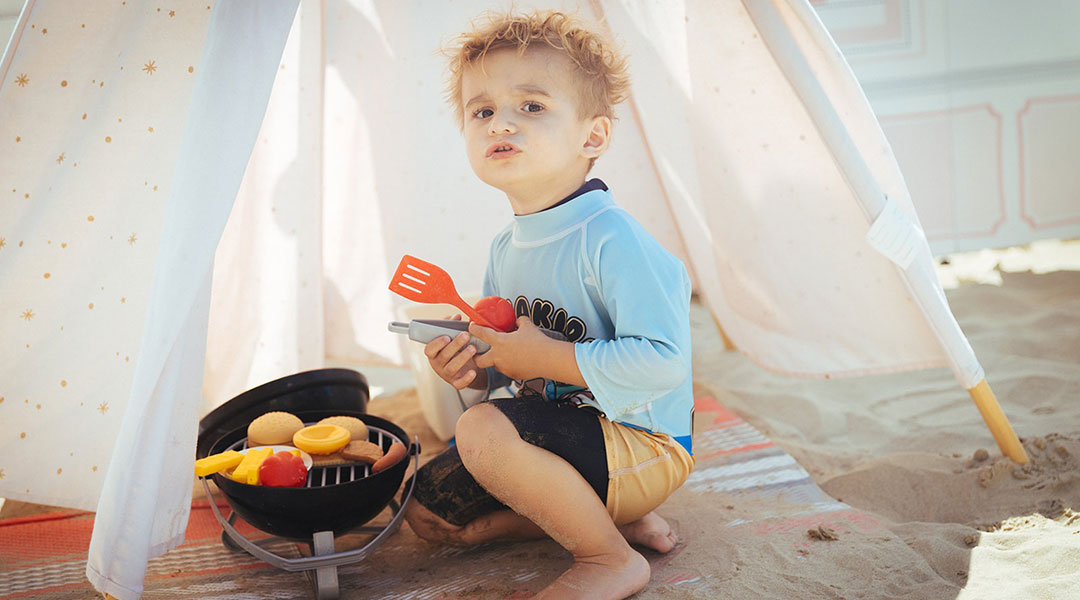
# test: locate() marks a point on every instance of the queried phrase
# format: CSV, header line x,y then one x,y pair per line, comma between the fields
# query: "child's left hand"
x,y
527,353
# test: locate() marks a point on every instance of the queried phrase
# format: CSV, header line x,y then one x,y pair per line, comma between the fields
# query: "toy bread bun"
x,y
273,428
356,428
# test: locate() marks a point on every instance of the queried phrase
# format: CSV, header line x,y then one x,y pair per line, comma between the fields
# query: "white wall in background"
x,y
981,102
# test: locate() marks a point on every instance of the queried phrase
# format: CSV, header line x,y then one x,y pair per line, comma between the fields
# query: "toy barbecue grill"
x,y
336,499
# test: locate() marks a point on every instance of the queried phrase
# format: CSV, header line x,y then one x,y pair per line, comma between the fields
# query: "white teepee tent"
x,y
747,148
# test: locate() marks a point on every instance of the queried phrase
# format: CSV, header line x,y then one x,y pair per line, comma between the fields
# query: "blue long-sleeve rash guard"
x,y
589,270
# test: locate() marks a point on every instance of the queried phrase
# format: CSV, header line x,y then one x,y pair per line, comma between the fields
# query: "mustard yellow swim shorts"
x,y
643,470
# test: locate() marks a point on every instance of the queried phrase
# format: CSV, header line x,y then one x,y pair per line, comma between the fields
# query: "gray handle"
x,y
425,330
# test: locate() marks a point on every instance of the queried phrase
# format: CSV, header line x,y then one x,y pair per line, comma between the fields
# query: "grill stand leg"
x,y
228,541
326,580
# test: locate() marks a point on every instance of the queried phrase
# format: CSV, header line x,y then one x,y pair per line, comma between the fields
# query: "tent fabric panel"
x,y
145,500
769,188
861,166
93,102
266,313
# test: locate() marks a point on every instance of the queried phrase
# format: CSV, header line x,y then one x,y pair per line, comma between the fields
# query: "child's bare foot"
x,y
651,531
600,578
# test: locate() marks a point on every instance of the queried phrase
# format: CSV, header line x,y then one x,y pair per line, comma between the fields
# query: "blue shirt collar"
x,y
562,217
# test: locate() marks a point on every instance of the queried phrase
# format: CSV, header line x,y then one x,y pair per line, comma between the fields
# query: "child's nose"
x,y
500,125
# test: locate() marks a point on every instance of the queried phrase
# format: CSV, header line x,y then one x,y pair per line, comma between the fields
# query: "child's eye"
x,y
483,113
532,107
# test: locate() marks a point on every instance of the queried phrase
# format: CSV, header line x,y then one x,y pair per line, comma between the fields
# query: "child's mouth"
x,y
502,150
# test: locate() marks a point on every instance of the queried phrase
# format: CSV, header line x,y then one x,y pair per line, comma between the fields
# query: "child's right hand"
x,y
453,359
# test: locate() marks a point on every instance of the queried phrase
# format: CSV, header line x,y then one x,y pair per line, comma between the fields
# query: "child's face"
x,y
522,130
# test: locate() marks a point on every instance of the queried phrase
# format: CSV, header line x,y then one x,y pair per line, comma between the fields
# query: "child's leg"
x,y
547,490
650,531
449,506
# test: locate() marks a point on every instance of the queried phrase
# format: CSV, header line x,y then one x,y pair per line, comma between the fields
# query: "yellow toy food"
x,y
321,439
217,462
251,462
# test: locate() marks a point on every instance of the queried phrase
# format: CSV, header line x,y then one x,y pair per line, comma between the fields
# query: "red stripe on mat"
x,y
63,536
708,404
43,517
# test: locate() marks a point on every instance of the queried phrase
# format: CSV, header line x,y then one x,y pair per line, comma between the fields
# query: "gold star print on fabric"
x,y
2,243
132,239
1,473
27,315
22,80
172,13
150,67
104,406
60,159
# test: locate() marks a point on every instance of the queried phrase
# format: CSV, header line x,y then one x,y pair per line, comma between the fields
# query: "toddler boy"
x,y
598,433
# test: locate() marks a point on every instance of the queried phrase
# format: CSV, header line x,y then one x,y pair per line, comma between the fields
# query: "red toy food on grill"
x,y
394,454
283,469
498,311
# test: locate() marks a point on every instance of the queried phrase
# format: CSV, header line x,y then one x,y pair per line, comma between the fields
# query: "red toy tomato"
x,y
498,311
283,469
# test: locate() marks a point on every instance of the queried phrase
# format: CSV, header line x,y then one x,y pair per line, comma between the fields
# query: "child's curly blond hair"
x,y
601,67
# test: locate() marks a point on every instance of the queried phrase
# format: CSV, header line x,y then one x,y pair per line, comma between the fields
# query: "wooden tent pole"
x,y
999,426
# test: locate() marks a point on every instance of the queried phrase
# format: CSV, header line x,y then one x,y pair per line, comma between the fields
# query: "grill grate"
x,y
327,475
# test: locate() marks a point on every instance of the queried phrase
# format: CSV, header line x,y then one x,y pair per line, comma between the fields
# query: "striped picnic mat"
x,y
743,485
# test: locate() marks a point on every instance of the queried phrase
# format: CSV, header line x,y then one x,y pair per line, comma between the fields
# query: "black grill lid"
x,y
327,389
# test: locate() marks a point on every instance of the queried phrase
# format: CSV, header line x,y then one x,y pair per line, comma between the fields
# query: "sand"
x,y
905,448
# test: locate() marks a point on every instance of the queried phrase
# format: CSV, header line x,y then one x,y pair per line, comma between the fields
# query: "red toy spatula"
x,y
421,281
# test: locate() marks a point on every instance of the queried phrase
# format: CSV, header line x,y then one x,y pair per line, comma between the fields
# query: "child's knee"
x,y
482,427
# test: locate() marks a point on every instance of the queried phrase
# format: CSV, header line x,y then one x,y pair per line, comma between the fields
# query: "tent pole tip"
x,y
999,425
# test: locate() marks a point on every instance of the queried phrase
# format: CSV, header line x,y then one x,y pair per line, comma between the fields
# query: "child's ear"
x,y
599,137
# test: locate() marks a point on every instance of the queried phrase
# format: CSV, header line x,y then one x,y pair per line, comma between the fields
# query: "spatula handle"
x,y
425,330
474,316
